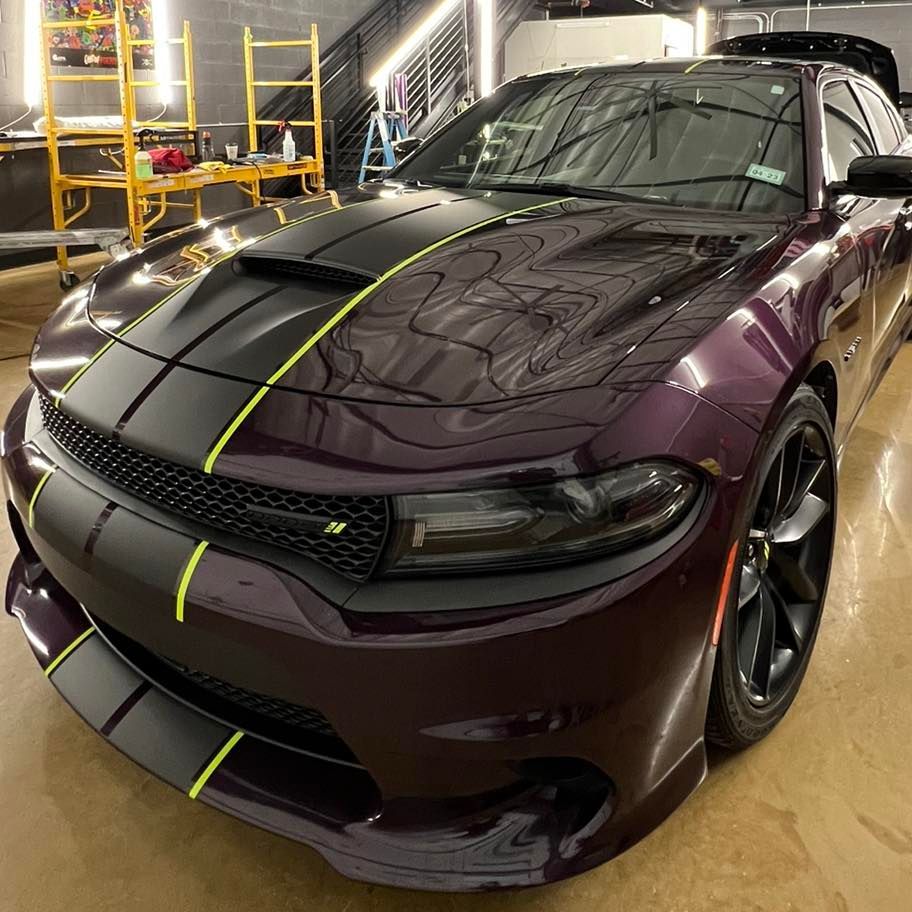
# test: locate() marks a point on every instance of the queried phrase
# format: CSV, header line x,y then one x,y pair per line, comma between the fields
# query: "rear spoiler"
x,y
862,54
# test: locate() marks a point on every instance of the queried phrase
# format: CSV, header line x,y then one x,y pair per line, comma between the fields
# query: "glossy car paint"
x,y
568,339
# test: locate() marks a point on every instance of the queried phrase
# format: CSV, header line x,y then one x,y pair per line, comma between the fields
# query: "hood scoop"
x,y
315,274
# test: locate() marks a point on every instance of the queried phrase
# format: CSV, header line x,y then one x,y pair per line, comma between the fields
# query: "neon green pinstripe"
x,y
186,576
65,652
214,764
177,289
34,498
340,314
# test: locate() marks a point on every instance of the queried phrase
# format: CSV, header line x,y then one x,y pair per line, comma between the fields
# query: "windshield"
x,y
717,142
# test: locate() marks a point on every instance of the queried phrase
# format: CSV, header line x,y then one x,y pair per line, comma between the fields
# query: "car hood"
x,y
502,295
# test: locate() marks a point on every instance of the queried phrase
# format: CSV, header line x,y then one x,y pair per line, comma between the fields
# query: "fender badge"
x,y
850,351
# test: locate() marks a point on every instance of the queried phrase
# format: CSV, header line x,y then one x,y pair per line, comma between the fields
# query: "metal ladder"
x,y
390,127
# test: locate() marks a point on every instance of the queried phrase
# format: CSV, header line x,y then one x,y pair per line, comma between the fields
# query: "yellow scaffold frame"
x,y
142,211
316,166
148,199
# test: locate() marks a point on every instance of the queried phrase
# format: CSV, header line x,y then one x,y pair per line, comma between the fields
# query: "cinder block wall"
x,y
217,27
889,25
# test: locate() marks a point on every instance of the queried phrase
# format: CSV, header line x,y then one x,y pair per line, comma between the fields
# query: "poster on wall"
x,y
96,47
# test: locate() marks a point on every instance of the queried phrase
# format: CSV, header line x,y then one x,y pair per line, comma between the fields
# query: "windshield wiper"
x,y
552,188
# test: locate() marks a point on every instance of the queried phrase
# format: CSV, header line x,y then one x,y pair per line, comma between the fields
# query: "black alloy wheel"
x,y
777,599
782,574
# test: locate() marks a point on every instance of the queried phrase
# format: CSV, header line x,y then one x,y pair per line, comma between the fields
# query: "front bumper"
x,y
459,733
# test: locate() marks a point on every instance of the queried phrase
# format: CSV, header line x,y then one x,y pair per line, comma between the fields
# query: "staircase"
x,y
437,73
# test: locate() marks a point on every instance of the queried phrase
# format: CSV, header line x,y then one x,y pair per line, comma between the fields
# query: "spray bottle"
x,y
288,145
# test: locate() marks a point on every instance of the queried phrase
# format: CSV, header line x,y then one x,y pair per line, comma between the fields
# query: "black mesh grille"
x,y
274,708
289,519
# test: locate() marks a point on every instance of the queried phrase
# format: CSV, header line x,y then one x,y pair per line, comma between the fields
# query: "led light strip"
x,y
162,50
401,52
487,15
700,29
340,314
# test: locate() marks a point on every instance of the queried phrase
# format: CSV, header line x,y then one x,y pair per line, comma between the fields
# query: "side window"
x,y
883,124
848,136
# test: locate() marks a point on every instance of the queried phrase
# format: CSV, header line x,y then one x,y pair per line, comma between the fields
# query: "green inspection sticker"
x,y
769,175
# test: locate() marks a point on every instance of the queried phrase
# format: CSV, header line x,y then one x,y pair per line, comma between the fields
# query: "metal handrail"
x,y
345,66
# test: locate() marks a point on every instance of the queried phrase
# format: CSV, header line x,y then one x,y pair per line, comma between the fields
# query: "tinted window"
x,y
881,120
848,136
714,141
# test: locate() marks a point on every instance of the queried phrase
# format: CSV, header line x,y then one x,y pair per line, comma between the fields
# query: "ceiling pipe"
x,y
846,6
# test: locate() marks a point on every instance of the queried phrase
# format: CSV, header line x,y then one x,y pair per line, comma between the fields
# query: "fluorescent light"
x,y
399,55
700,32
31,49
162,50
486,50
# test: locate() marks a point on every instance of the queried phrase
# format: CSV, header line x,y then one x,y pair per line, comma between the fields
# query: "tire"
x,y
779,585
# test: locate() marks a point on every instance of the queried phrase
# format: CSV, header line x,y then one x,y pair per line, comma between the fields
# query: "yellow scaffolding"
x,y
142,212
316,165
147,199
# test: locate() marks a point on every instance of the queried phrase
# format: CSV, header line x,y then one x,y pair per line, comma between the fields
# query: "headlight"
x,y
571,519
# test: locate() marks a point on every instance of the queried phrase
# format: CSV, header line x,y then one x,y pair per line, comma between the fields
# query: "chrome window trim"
x,y
822,85
865,82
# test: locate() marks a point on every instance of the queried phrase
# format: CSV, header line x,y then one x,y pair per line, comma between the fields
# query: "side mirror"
x,y
406,146
878,175
905,99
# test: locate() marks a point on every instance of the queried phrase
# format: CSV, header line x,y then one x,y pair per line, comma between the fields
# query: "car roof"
x,y
716,64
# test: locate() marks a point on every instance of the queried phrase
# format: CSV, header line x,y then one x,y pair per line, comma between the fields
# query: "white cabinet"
x,y
546,44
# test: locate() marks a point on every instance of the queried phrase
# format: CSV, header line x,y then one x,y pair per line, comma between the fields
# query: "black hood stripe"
x,y
174,291
340,314
182,354
357,231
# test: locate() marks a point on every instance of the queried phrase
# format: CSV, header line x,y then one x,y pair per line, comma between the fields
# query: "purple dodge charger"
x,y
439,523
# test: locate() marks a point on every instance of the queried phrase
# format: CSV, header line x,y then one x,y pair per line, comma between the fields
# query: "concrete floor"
x,y
818,817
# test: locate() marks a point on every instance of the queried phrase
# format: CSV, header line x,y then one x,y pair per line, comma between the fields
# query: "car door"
x,y
846,137
891,282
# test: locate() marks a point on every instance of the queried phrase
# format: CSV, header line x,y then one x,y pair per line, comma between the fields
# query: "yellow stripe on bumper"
x,y
186,576
64,653
214,764
34,499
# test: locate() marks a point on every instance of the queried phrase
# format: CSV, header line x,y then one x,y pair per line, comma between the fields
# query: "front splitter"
x,y
520,836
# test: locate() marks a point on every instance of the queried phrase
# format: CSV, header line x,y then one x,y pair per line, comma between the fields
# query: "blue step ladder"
x,y
389,127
